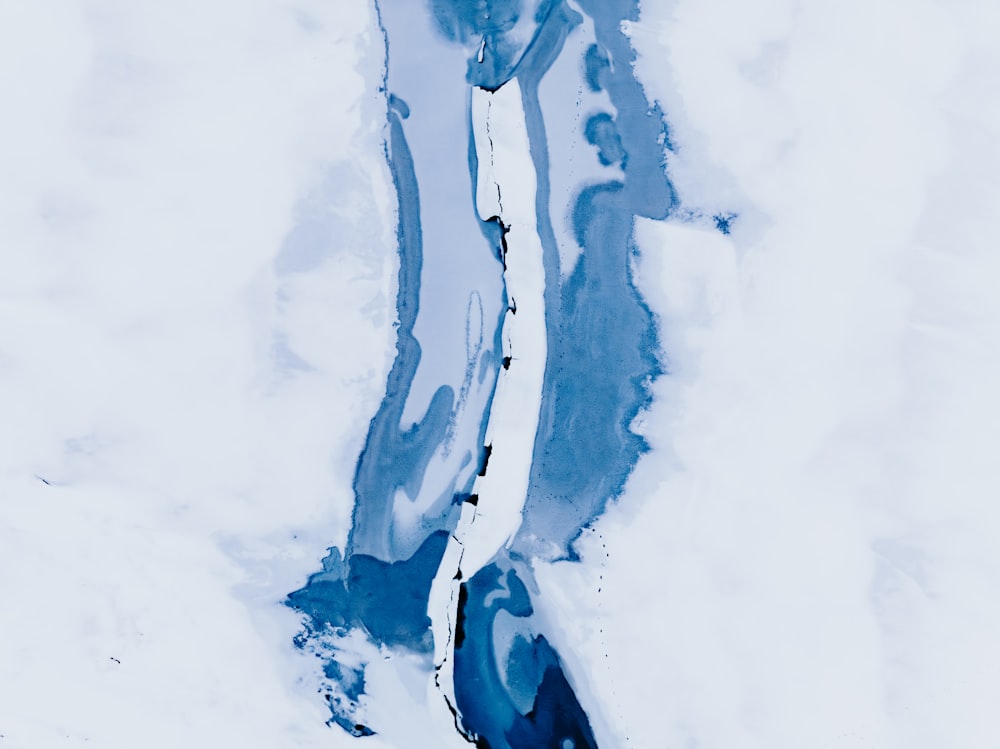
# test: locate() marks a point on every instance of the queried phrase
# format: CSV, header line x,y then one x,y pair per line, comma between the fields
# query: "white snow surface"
x,y
196,305
808,557
197,245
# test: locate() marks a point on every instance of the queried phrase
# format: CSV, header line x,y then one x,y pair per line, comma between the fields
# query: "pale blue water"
x,y
425,444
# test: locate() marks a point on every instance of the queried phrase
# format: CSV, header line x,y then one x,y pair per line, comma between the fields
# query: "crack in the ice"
x,y
453,709
489,137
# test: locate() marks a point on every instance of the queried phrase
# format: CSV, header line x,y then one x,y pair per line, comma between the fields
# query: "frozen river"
x,y
522,149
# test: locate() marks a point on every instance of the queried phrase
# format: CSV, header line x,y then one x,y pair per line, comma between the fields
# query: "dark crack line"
x,y
489,137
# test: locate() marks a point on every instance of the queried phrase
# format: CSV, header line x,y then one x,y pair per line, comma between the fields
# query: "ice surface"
x,y
197,310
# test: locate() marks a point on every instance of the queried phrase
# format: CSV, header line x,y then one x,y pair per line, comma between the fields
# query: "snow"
x,y
814,531
181,411
807,557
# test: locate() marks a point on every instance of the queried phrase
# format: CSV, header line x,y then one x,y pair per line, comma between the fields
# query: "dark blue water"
x,y
425,444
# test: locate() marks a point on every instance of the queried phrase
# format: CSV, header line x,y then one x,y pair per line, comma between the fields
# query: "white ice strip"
x,y
499,125
506,187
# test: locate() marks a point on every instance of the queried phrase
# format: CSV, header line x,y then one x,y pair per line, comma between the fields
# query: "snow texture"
x,y
197,308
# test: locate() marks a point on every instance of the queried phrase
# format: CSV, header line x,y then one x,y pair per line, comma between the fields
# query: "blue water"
x,y
425,445
521,697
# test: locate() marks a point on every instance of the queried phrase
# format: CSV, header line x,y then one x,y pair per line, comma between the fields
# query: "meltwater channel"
x,y
522,149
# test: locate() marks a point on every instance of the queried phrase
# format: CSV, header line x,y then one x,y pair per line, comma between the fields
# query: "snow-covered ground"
x,y
815,534
198,269
196,302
